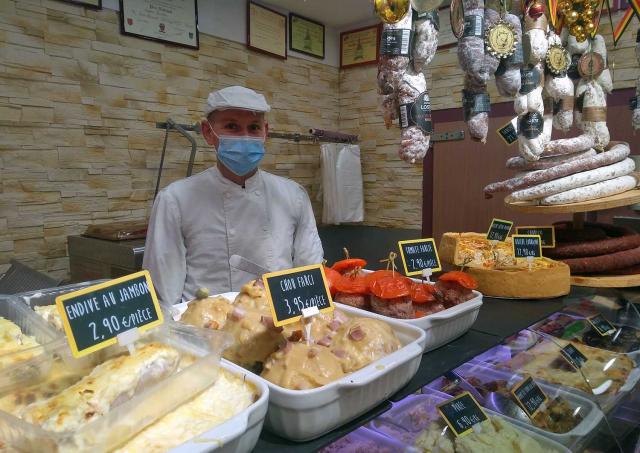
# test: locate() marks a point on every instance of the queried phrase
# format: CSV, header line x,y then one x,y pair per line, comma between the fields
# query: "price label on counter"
x,y
527,246
93,317
418,255
529,396
291,291
573,356
547,234
509,132
462,413
601,325
499,230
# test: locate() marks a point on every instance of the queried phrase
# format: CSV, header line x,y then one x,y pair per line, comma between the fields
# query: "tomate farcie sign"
x,y
499,230
462,413
527,246
94,316
547,234
529,396
418,255
293,290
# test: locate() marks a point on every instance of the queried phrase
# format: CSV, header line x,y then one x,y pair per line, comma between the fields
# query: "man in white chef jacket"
x,y
233,208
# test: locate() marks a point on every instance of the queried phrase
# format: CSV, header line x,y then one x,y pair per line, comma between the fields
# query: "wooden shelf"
x,y
607,281
614,201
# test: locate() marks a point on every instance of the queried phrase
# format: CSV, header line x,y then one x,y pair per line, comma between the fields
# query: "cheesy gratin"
x,y
50,314
108,385
15,346
222,401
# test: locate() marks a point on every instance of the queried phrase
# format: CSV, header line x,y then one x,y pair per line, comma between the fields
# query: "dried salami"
x,y
508,73
604,263
599,190
616,154
519,163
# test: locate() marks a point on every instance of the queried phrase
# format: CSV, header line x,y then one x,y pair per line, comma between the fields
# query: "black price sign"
x,y
418,255
547,234
527,245
499,230
462,413
529,396
291,291
601,325
93,317
573,356
508,133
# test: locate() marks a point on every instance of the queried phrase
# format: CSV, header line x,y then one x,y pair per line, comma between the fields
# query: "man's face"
x,y
234,122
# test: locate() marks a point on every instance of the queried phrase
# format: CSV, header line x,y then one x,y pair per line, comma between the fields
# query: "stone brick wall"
x,y
78,106
79,102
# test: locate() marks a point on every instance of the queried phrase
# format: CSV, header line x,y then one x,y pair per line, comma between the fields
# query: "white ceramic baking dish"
x,y
238,434
302,415
444,326
574,439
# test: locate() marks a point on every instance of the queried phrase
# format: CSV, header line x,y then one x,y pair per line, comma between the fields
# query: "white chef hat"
x,y
236,97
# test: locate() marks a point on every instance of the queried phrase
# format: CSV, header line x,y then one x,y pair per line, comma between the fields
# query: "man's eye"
x,y
255,128
231,126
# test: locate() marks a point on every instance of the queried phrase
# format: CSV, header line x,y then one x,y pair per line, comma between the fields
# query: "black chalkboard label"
x,y
527,245
633,103
499,230
529,396
531,125
547,234
94,316
530,80
601,325
508,133
462,413
473,26
573,356
417,113
396,42
293,290
572,72
418,255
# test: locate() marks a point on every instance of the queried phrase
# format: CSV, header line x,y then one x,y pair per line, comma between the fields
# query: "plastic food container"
x,y
30,324
574,439
576,328
126,419
48,296
406,420
539,355
239,433
443,326
302,415
365,439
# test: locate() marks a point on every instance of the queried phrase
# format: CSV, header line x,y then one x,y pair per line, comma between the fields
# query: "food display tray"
x,y
403,415
443,326
576,438
125,420
301,415
238,434
502,353
33,325
48,296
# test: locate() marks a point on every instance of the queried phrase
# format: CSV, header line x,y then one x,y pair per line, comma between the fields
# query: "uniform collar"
x,y
251,184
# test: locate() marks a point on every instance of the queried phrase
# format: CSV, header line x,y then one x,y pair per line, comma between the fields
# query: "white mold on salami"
x,y
508,80
595,98
415,142
471,48
425,43
568,145
519,163
601,189
535,33
574,181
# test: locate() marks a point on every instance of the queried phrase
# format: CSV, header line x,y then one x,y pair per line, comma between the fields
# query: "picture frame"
x,y
306,36
266,30
360,47
93,4
172,25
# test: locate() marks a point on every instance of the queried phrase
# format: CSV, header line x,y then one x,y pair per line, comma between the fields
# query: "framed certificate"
x,y
306,36
170,21
360,47
266,30
95,4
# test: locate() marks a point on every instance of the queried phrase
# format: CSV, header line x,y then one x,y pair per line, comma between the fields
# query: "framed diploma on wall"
x,y
266,30
360,47
170,21
94,4
306,36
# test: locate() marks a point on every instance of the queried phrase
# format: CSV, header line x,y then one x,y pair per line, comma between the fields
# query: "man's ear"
x,y
207,133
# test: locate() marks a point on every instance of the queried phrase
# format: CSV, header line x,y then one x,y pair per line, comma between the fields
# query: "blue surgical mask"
x,y
240,154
